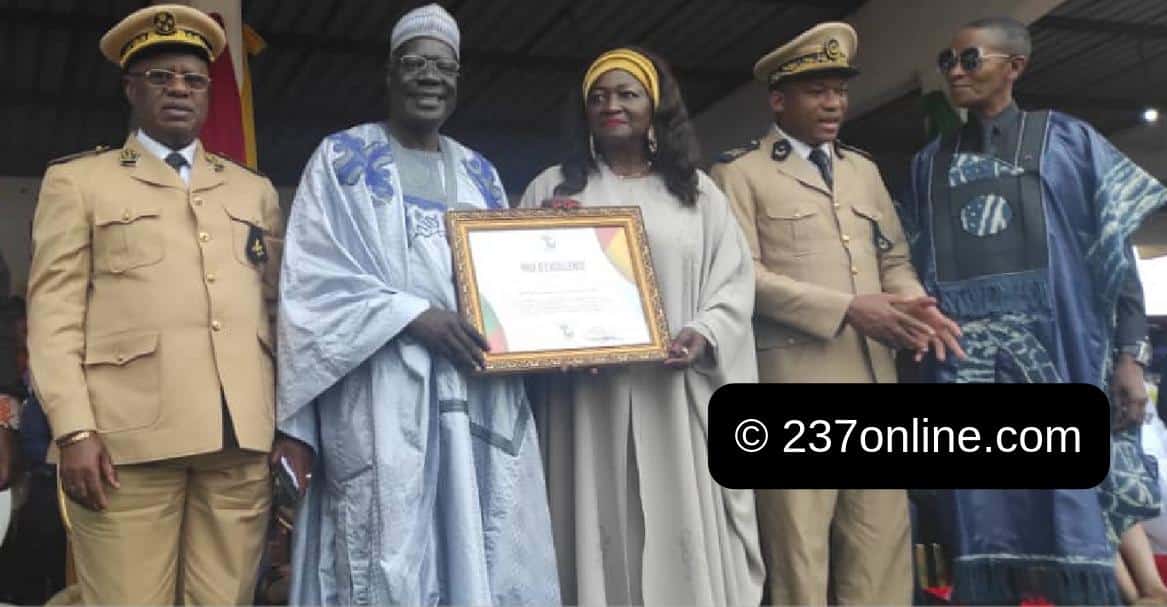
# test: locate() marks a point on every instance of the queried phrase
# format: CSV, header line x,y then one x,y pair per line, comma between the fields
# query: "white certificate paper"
x,y
557,289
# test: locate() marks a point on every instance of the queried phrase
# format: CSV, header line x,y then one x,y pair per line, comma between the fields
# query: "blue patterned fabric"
x,y
356,160
986,215
428,487
1053,324
967,168
485,178
1005,348
1130,492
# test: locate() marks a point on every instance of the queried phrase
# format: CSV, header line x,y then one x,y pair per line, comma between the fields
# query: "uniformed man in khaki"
x,y
151,298
835,294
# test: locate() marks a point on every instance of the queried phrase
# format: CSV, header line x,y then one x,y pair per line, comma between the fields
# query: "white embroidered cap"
x,y
429,21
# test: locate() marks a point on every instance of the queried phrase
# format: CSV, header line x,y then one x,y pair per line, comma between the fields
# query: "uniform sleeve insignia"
x,y
95,151
215,162
128,157
781,150
256,249
732,155
218,162
840,146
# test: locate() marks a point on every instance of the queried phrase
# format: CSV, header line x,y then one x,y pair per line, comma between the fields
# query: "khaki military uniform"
x,y
815,248
151,307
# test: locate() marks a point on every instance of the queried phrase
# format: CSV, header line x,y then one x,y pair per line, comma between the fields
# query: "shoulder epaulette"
x,y
217,161
95,151
732,155
839,146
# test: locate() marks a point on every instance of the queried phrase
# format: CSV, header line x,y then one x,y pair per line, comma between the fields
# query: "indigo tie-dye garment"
x,y
428,487
1054,323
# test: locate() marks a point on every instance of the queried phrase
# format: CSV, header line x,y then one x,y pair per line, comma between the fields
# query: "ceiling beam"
x,y
478,59
31,17
56,100
1151,31
1075,102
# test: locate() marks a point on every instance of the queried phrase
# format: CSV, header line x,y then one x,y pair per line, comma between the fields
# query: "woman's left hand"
x,y
687,348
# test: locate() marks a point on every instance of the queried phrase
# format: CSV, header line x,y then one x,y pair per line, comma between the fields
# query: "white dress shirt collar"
x,y
162,151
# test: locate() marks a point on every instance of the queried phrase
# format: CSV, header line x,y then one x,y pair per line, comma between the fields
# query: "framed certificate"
x,y
550,288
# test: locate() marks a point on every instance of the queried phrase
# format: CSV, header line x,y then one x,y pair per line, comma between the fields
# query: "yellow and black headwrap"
x,y
634,63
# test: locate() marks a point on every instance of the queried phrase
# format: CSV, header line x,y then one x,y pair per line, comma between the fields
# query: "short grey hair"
x,y
1012,35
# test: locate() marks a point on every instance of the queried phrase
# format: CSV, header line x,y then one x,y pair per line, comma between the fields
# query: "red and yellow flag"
x,y
230,126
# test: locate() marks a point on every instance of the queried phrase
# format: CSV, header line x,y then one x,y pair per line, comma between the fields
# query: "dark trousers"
x,y
32,559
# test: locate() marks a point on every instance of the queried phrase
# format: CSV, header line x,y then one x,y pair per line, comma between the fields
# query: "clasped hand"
x,y
910,323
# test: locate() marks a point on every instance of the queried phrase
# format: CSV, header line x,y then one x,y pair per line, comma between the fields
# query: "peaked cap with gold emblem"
x,y
826,47
163,24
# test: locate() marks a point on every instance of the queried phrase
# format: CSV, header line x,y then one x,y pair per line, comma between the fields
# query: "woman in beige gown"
x,y
637,518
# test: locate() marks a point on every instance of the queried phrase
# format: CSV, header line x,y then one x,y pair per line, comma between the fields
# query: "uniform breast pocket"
x,y
250,237
790,230
126,238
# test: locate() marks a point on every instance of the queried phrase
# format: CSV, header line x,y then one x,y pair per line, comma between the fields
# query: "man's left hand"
x,y
686,349
1129,393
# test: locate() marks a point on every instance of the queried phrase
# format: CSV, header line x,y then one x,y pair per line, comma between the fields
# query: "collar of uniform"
x,y
144,165
803,169
160,150
802,148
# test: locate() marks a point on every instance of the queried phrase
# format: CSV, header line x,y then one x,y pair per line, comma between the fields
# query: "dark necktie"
x,y
821,161
176,161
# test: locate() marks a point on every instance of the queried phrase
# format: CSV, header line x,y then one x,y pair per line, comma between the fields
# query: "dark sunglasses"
x,y
970,59
160,78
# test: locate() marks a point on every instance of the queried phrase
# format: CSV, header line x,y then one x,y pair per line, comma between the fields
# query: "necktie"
x,y
176,161
821,161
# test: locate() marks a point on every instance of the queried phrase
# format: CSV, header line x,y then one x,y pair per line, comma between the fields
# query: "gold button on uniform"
x,y
198,202
204,237
846,239
210,278
121,358
216,325
837,206
854,270
126,215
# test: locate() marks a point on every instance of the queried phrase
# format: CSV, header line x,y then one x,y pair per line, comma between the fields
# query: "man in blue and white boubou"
x,y
428,484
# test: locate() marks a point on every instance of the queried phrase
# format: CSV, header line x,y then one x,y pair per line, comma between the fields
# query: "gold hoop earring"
x,y
651,141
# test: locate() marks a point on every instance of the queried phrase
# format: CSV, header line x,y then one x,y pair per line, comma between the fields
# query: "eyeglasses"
x,y
970,59
411,64
159,77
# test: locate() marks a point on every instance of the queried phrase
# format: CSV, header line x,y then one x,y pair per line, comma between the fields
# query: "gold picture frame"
x,y
621,241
